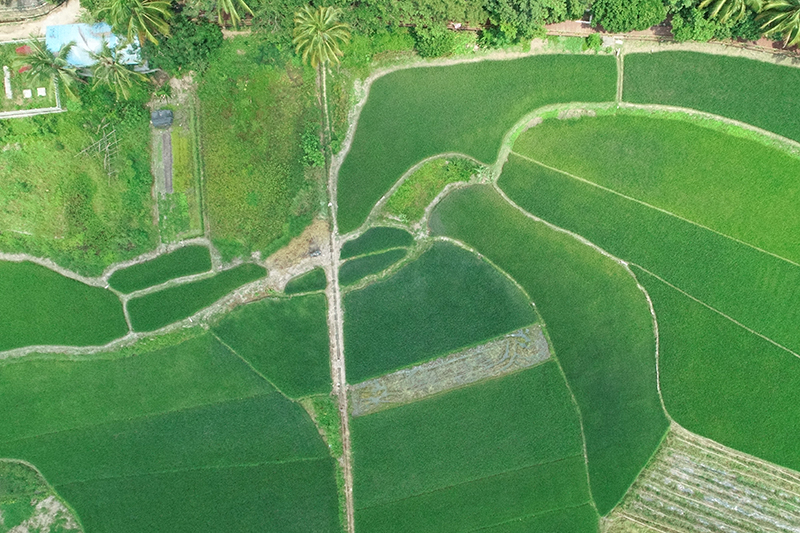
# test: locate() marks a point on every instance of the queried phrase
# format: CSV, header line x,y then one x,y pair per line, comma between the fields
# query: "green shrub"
x,y
312,148
434,42
593,42
189,46
625,15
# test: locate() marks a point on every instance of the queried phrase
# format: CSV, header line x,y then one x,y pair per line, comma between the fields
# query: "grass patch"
x,y
288,497
409,201
284,339
356,269
182,262
313,280
719,380
325,411
416,113
449,298
482,502
736,186
185,438
598,321
58,203
455,442
253,115
757,289
376,240
40,306
755,92
158,309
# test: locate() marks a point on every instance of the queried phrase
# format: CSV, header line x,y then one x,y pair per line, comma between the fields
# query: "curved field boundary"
x,y
517,350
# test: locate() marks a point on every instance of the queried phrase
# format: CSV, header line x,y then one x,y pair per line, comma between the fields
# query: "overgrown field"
x,y
753,287
470,458
181,438
755,92
447,299
723,382
40,306
286,340
254,111
415,113
26,501
182,262
599,323
56,202
158,309
356,269
734,185
376,239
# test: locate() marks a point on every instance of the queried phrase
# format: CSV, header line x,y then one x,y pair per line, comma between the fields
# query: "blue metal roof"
x,y
89,38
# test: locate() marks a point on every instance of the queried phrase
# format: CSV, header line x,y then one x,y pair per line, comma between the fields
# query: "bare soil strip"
x,y
516,351
695,484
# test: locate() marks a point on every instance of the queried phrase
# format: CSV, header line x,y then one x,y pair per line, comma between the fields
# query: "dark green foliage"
x,y
47,396
363,48
448,298
314,280
461,439
572,520
698,173
729,86
182,262
312,149
599,323
356,269
293,497
458,108
516,20
490,500
626,15
40,306
757,289
189,46
158,309
437,42
254,112
719,380
376,240
285,339
326,415
593,42
18,480
692,25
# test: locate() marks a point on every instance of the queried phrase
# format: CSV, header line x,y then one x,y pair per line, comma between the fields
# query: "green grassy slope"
x,y
183,438
446,299
470,458
415,113
723,382
284,339
736,186
39,306
158,309
598,321
755,288
754,92
182,262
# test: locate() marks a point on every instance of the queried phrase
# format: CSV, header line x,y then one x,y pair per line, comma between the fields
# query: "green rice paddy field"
x,y
471,458
376,239
598,321
182,262
357,269
449,298
182,438
40,306
314,280
158,309
750,91
415,113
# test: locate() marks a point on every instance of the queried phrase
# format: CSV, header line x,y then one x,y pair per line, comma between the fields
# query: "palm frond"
x,y
782,16
318,34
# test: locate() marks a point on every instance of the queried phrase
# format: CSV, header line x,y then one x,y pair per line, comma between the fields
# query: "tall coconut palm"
x,y
733,10
109,72
44,65
228,7
318,36
141,18
782,16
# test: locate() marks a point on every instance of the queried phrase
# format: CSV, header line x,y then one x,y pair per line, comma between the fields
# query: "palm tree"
x,y
228,7
141,18
109,72
733,10
782,16
45,66
318,35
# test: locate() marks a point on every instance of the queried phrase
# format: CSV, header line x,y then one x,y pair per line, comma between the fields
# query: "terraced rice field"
x,y
354,270
376,239
694,484
448,297
182,262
